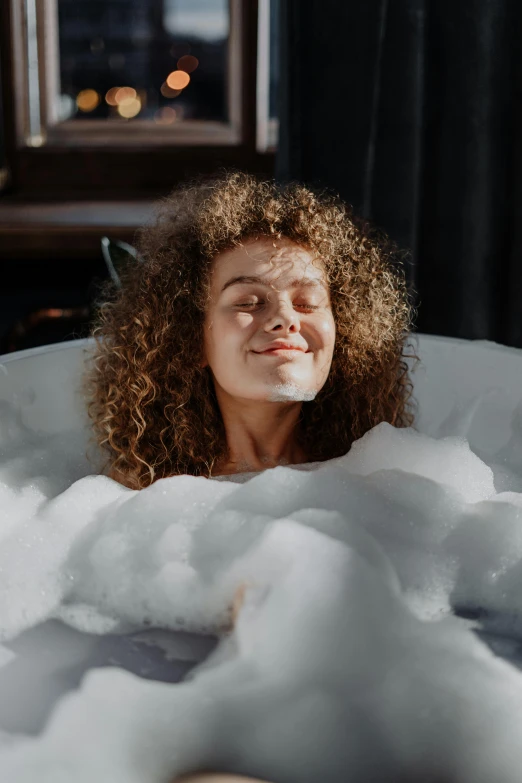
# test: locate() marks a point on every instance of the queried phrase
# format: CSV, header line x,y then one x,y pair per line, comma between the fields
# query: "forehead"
x,y
276,261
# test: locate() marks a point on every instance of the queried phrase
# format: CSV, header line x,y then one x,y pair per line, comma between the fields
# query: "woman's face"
x,y
269,330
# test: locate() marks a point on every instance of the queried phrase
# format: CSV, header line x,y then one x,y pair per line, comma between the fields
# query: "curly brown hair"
x,y
154,408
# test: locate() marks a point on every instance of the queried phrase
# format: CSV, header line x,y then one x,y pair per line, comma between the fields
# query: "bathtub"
x,y
466,388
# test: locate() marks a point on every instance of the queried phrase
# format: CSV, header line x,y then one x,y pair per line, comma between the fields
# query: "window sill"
x,y
58,229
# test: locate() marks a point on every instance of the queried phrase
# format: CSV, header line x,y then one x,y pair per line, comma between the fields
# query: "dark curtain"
x,y
412,111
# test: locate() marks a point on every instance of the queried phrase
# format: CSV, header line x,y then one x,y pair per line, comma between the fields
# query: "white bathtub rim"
x,y
87,342
42,349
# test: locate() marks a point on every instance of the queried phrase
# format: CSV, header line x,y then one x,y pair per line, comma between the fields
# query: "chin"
x,y
280,387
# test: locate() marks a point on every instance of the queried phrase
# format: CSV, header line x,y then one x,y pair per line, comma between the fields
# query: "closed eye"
x,y
255,304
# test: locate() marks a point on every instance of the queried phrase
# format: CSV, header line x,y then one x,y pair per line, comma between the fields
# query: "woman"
x,y
264,325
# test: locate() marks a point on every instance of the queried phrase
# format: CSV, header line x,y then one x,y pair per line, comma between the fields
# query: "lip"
x,y
288,352
283,347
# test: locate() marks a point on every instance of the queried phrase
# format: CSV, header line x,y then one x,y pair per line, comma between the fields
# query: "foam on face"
x,y
290,392
347,660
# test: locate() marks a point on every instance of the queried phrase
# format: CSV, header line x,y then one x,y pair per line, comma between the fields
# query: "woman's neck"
x,y
259,435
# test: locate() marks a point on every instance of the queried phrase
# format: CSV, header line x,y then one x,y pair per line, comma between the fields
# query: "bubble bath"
x,y
380,636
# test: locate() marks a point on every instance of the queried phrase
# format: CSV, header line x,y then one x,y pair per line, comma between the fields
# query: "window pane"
x,y
159,60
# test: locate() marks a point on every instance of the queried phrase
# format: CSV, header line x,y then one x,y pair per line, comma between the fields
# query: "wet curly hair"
x,y
154,409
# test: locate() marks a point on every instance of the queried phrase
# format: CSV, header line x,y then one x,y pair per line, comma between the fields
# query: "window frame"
x,y
267,127
65,161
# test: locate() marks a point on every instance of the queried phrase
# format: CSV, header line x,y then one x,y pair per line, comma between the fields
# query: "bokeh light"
x,y
167,92
188,63
117,61
110,96
97,45
129,107
178,80
65,107
124,94
87,100
165,116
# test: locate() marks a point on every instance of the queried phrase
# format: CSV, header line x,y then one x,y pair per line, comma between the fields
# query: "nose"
x,y
283,318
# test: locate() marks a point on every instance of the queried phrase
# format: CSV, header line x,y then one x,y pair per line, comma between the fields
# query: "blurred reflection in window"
x,y
157,60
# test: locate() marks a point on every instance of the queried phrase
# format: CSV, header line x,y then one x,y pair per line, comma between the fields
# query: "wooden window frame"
x,y
68,161
267,127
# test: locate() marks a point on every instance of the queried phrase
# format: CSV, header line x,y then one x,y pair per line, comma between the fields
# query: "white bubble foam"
x,y
291,392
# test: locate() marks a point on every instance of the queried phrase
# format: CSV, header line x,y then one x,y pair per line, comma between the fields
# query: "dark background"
x,y
410,109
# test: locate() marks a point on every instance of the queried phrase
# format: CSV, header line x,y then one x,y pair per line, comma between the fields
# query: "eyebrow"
x,y
297,281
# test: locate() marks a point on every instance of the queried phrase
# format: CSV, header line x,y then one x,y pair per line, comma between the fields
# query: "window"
x,y
127,96
113,70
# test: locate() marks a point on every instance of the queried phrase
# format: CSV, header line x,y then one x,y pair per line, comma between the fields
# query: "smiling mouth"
x,y
281,352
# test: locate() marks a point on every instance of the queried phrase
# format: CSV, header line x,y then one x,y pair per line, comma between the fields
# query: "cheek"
x,y
224,331
326,332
